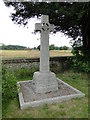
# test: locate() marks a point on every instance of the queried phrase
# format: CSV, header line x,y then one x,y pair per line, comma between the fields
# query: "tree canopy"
x,y
71,18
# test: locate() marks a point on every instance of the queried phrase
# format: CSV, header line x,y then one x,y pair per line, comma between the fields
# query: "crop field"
x,y
10,54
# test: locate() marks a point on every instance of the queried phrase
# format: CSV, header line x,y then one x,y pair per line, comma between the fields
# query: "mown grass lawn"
x,y
75,108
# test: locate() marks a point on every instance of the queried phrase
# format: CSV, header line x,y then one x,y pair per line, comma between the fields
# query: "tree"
x,y
63,48
72,19
34,48
13,47
52,47
56,48
38,47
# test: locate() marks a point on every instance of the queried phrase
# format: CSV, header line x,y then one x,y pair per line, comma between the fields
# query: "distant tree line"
x,y
13,47
18,47
53,47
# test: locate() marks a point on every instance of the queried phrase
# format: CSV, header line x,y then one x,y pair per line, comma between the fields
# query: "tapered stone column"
x,y
44,44
45,81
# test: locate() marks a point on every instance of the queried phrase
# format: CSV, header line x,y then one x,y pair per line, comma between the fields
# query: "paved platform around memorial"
x,y
28,97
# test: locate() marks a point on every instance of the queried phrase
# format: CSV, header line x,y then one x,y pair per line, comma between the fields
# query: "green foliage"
x,y
9,83
45,107
12,47
80,66
53,47
35,48
80,63
38,47
61,106
24,72
76,79
9,87
63,48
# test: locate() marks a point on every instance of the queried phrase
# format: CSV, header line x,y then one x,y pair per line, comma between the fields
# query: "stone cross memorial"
x,y
45,88
44,80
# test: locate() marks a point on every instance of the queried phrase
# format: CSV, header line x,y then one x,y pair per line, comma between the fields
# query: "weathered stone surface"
x,y
29,98
45,28
45,82
30,63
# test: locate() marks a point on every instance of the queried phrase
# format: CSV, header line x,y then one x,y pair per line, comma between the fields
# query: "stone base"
x,y
45,82
28,98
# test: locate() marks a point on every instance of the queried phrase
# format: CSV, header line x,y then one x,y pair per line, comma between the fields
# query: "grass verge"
x,y
75,108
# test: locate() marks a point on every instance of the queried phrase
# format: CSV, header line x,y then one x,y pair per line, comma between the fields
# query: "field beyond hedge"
x,y
10,54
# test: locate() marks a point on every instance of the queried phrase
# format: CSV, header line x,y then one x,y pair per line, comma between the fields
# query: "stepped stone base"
x,y
45,82
28,97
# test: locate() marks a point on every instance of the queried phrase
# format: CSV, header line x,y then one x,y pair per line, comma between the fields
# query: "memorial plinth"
x,y
45,82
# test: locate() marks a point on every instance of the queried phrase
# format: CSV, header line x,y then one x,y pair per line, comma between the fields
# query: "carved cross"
x,y
45,28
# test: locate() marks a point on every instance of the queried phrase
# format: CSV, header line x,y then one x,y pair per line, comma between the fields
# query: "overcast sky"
x,y
13,34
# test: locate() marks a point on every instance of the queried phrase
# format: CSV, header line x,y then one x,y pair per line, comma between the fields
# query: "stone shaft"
x,y
45,28
44,52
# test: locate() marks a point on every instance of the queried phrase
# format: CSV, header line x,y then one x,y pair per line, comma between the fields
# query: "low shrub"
x,y
9,87
80,61
80,66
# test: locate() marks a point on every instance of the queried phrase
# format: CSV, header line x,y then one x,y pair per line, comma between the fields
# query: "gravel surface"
x,y
29,95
